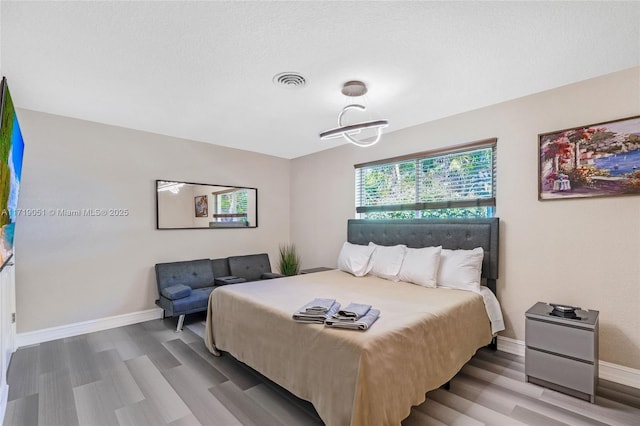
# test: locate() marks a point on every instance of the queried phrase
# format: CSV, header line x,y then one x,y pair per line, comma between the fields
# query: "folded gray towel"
x,y
318,318
362,324
353,312
318,306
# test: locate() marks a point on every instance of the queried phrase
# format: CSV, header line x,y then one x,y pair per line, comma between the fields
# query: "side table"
x,y
312,270
562,353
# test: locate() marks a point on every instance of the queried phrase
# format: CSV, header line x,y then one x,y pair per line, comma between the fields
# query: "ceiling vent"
x,y
290,80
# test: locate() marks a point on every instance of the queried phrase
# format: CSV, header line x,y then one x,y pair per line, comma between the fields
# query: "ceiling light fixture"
x,y
174,187
355,89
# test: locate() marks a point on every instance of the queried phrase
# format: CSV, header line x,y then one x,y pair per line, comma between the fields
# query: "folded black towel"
x,y
361,324
303,316
353,312
318,306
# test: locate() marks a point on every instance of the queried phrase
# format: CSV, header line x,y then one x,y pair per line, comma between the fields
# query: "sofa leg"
x,y
163,313
180,323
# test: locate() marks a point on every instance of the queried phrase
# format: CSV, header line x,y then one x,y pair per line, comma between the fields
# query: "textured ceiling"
x,y
203,70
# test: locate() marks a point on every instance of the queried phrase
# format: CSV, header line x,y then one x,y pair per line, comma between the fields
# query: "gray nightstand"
x,y
312,270
562,353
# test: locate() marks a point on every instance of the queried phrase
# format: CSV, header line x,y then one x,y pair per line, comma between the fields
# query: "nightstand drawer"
x,y
562,371
570,341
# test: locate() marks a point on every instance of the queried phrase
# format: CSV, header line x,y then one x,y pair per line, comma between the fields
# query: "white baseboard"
x,y
619,374
606,370
511,346
76,329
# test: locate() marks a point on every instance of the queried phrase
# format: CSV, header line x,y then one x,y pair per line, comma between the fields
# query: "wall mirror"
x,y
188,205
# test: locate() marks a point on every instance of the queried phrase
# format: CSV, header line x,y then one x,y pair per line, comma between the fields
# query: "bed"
x,y
423,337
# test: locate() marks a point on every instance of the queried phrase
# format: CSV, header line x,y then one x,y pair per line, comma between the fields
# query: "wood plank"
x,y
56,404
143,413
123,344
491,356
93,406
193,390
22,412
100,341
623,389
597,412
418,418
152,347
498,368
505,382
280,407
96,402
53,355
187,356
242,407
189,420
481,393
243,376
534,419
505,355
525,400
107,361
447,415
299,402
156,390
471,409
24,372
82,361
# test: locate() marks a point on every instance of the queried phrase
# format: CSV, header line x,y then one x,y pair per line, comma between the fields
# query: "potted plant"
x,y
289,260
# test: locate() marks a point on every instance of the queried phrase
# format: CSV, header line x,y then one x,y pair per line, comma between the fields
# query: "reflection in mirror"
x,y
185,205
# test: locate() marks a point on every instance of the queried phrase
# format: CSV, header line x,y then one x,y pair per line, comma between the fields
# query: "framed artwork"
x,y
597,160
202,206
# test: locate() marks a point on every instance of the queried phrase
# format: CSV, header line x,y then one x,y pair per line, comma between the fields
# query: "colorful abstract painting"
x,y
202,206
597,160
11,150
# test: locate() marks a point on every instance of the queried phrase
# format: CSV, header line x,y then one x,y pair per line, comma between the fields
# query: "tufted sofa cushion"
x,y
251,267
220,267
196,302
193,273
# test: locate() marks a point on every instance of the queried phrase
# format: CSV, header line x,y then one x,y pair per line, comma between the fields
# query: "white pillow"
x,y
387,260
461,269
354,258
421,266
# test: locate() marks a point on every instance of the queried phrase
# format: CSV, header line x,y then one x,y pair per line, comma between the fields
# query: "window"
x,y
458,182
230,205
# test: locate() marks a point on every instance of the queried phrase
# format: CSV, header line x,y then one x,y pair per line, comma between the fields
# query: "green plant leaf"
x,y
289,260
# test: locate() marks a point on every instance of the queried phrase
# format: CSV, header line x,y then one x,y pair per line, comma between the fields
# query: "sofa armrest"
x,y
270,276
177,291
229,280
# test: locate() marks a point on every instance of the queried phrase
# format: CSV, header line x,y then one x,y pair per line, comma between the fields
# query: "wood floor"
x,y
146,374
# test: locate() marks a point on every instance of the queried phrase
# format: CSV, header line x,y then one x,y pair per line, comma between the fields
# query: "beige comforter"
x,y
421,340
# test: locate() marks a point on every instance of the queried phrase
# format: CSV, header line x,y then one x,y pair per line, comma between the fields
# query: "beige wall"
x,y
73,269
176,210
584,252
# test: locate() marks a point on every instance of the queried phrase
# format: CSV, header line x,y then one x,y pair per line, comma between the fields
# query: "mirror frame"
x,y
157,181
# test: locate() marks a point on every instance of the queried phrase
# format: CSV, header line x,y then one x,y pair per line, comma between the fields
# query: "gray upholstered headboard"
x,y
451,234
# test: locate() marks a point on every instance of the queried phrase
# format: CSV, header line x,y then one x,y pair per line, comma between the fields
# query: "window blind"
x,y
411,186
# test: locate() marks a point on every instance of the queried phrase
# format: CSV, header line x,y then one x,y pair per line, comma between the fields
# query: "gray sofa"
x,y
184,287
